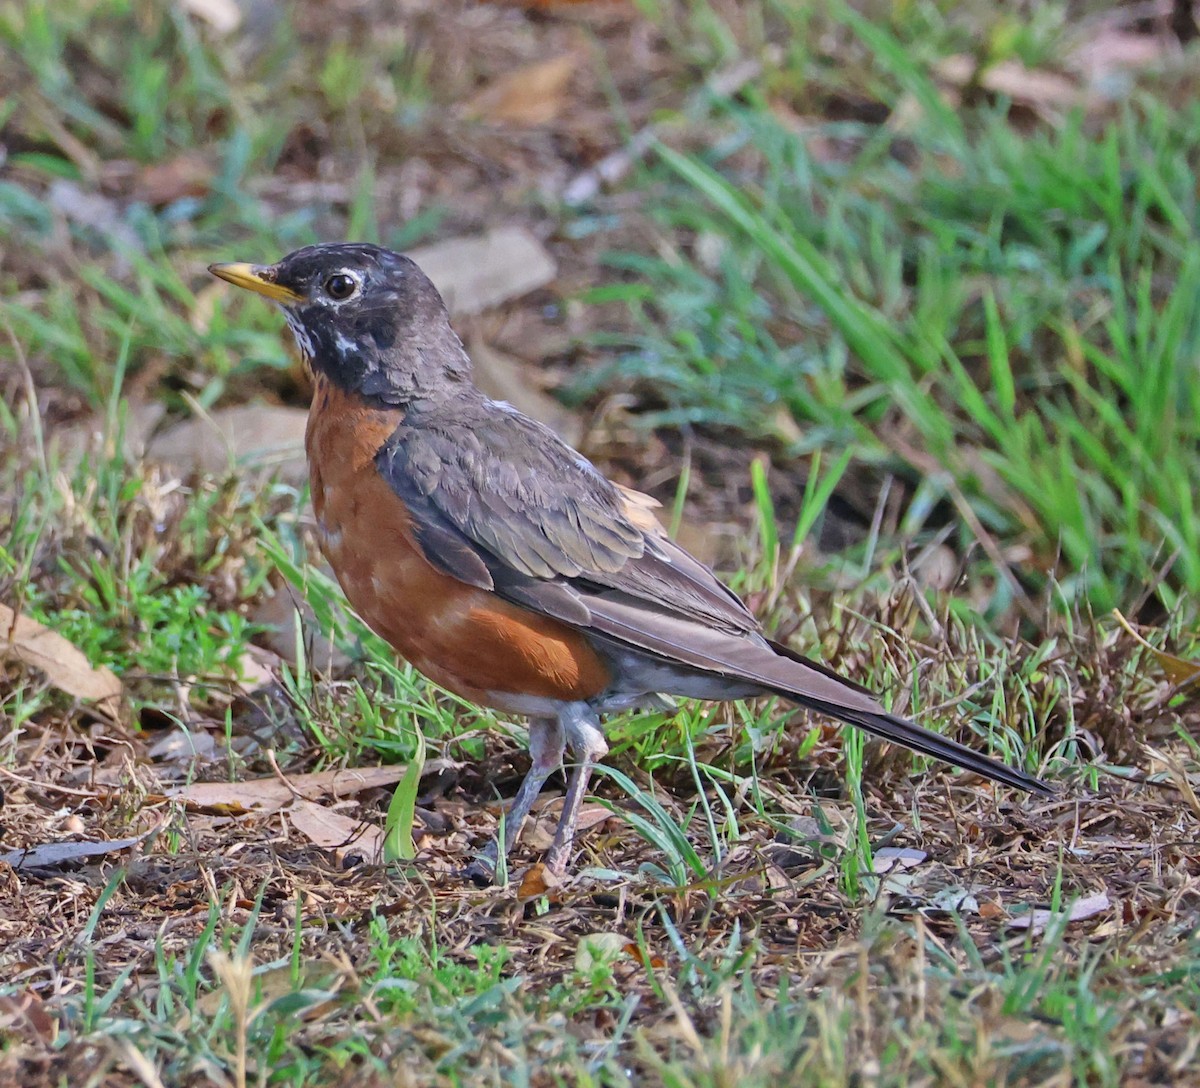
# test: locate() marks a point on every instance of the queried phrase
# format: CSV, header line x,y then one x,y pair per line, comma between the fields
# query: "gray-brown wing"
x,y
499,501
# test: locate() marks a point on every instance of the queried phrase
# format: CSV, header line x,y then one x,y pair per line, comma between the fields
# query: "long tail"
x,y
771,666
901,731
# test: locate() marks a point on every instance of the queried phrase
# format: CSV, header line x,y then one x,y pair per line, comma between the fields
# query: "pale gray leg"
x,y
582,728
546,743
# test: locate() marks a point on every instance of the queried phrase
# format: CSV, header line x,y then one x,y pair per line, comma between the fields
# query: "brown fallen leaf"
x,y
723,83
537,881
23,1015
85,437
281,613
540,833
1104,56
189,174
534,94
897,857
180,745
600,949
546,5
63,664
224,16
337,831
95,211
1178,775
1032,87
1086,907
270,984
1178,670
646,958
266,795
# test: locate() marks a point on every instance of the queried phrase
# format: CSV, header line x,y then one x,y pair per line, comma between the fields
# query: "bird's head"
x,y
365,317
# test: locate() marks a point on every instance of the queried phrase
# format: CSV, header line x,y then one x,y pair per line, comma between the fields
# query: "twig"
x,y
614,166
35,415
52,787
296,794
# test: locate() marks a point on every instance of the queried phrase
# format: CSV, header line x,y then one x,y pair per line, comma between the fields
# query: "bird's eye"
x,y
340,286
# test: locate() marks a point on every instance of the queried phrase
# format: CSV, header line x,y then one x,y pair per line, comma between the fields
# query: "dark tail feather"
x,y
910,735
900,731
695,648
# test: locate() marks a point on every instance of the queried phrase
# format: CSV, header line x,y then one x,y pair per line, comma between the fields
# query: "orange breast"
x,y
464,638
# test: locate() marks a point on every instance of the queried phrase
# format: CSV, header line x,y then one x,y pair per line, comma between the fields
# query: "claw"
x,y
481,872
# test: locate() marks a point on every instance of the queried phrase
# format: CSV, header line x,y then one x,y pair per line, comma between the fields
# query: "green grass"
x,y
1003,317
916,1001
992,309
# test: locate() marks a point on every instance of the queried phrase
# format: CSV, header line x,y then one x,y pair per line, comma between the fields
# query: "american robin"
x,y
499,561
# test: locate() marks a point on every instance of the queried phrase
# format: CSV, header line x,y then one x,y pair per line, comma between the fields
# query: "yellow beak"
x,y
259,278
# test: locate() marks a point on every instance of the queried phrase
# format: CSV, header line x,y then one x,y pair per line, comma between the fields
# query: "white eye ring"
x,y
341,285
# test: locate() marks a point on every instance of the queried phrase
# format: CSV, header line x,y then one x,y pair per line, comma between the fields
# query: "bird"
x,y
498,560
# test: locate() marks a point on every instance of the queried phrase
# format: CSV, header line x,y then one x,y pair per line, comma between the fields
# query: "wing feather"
x,y
529,507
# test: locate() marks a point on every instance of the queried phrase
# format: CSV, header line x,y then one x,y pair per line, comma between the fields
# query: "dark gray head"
x,y
365,317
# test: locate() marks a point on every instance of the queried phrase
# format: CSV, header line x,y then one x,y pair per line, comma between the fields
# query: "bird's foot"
x,y
482,870
480,873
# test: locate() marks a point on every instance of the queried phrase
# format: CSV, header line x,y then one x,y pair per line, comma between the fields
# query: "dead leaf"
x,y
1036,921
257,667
85,437
266,795
1031,87
599,949
53,855
532,95
23,1015
646,958
477,272
337,831
205,305
63,665
270,984
180,745
95,211
704,541
1179,670
1112,52
546,5
900,857
189,174
723,83
540,834
281,613
537,881
1178,775
224,16
936,567
951,900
